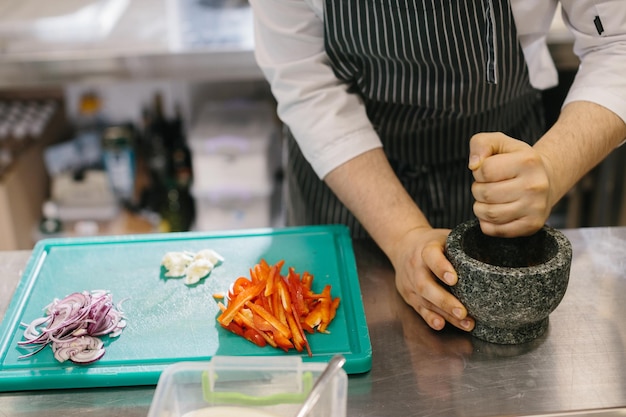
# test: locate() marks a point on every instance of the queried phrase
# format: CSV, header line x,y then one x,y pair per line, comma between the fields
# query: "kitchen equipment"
x,y
235,159
227,385
509,285
321,385
168,321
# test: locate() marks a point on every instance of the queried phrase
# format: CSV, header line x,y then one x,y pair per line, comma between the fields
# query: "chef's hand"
x,y
512,185
421,267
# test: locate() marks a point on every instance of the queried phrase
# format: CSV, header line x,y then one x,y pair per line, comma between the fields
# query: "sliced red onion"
x,y
71,327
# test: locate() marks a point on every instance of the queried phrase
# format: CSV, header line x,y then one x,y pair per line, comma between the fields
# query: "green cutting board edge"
x,y
168,321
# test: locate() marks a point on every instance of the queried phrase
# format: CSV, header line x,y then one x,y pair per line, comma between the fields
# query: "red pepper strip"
x,y
282,342
283,293
296,337
315,316
306,327
295,291
332,312
248,322
246,315
262,324
279,265
262,270
271,279
235,328
264,302
240,284
279,311
257,309
272,275
237,320
309,295
264,266
326,302
334,307
307,280
254,337
260,276
292,271
277,305
300,332
240,299
253,276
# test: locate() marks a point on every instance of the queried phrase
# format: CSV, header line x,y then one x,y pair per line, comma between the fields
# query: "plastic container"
x,y
234,160
232,209
231,146
246,386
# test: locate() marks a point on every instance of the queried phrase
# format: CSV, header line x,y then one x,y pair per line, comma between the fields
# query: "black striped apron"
x,y
431,74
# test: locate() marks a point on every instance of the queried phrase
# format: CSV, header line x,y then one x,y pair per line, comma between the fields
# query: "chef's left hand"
x,y
512,185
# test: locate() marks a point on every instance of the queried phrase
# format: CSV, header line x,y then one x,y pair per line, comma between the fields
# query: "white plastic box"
x,y
228,210
273,385
233,164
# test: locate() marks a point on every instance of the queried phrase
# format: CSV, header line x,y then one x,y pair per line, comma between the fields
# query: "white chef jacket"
x,y
331,126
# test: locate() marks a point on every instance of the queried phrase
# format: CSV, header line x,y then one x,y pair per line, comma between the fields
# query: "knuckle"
x,y
490,214
486,171
421,286
480,192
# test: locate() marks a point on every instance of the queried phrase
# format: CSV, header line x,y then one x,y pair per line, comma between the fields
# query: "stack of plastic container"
x,y
231,146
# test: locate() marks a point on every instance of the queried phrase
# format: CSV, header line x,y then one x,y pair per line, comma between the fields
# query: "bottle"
x,y
90,112
181,168
179,210
90,125
50,223
119,162
157,141
176,208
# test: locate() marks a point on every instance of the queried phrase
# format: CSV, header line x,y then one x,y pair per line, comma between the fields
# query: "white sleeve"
x,y
599,29
533,19
329,124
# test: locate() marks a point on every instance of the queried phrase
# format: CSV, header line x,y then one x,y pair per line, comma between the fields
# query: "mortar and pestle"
x,y
509,285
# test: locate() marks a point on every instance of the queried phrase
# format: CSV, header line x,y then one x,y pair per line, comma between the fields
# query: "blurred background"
x,y
143,116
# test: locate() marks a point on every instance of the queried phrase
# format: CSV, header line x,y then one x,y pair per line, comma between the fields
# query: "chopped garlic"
x,y
191,266
197,270
176,263
209,254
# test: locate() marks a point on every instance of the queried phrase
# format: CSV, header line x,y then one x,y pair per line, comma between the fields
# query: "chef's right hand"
x,y
421,266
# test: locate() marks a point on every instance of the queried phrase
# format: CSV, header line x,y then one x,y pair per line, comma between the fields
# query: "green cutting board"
x,y
168,321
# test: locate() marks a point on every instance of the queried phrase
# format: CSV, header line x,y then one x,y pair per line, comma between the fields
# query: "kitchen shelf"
x,y
189,40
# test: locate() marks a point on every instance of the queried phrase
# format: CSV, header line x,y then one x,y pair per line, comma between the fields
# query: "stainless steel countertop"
x,y
580,363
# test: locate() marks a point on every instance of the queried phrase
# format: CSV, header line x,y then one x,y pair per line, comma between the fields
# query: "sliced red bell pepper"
x,y
278,310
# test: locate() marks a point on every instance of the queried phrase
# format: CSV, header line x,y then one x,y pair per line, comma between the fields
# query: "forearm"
x,y
583,136
369,188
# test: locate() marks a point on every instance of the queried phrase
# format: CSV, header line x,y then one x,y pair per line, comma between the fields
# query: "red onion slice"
x,y
82,350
